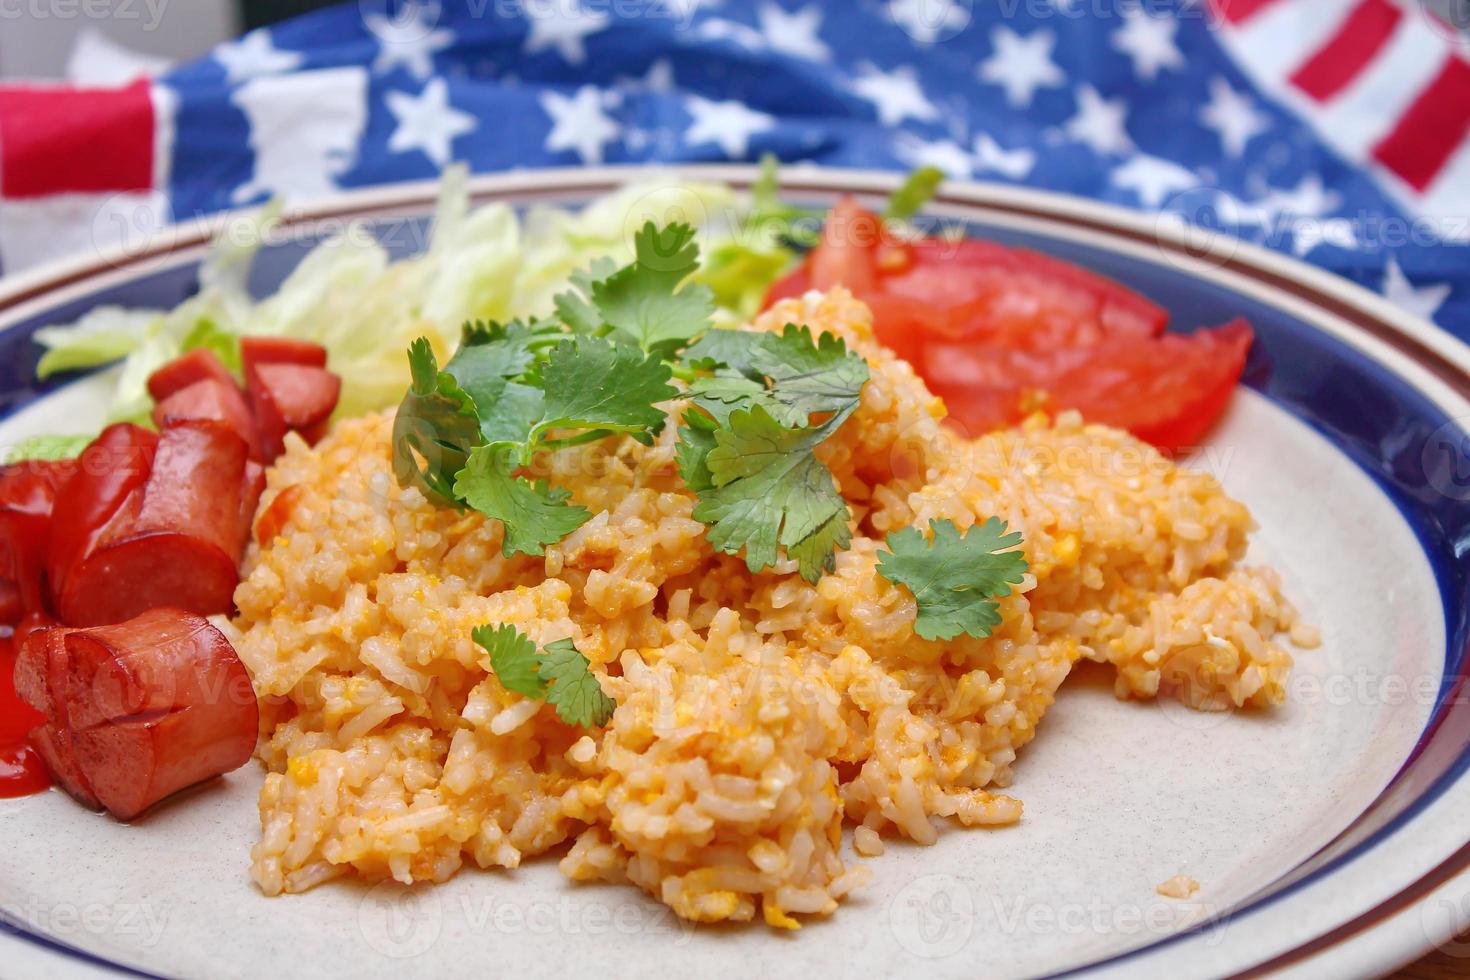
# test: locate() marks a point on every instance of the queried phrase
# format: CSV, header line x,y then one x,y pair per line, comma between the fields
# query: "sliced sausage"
x,y
250,499
209,399
109,472
27,495
175,540
186,370
280,350
41,673
139,710
290,396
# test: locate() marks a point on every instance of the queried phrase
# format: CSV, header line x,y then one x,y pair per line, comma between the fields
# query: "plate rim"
x,y
1430,348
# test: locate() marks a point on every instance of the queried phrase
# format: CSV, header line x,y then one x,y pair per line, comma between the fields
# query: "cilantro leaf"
x,y
915,192
955,579
574,692
696,439
771,215
643,300
437,423
769,490
560,674
512,658
789,374
593,384
534,514
573,307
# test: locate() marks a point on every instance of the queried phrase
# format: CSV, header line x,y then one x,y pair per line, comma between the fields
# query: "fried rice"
x,y
758,715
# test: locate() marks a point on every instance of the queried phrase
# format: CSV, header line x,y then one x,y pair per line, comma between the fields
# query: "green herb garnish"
x,y
915,192
955,578
560,674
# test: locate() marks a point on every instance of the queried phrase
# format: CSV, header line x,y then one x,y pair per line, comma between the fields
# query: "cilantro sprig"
x,y
560,674
748,448
955,578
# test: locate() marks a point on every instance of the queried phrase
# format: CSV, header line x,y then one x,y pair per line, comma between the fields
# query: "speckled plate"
x,y
1329,836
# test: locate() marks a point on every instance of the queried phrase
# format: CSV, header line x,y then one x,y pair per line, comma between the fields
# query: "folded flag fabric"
x,y
1334,130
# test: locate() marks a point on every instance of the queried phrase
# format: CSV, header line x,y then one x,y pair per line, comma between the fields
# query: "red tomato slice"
x,y
996,331
1167,390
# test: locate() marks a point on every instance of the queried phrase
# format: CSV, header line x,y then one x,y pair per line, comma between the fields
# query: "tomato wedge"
x,y
997,331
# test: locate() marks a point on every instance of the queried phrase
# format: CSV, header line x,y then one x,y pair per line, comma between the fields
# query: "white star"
x,y
1308,233
927,21
730,124
564,26
1149,41
1308,198
427,122
578,123
947,155
409,40
1154,180
1021,64
660,78
990,155
895,95
1233,117
794,33
1422,301
719,29
254,55
1099,122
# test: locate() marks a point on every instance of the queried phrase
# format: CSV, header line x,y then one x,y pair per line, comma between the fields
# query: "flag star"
x,y
1308,198
946,155
427,122
731,124
407,40
928,21
254,55
1422,301
794,33
1307,234
660,78
1021,65
1232,115
564,26
719,29
578,123
1149,41
1154,180
896,95
990,155
1099,122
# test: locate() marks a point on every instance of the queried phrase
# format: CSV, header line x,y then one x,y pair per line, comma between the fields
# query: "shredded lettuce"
x,y
47,448
487,263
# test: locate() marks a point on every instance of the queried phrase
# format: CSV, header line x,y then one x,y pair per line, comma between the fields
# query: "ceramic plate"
x,y
1328,836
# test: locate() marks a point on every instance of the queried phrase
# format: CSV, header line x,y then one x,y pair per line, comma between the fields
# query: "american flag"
x,y
1335,130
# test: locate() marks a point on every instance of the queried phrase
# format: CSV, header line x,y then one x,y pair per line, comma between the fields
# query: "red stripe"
x,y
75,140
1359,39
1238,11
1434,126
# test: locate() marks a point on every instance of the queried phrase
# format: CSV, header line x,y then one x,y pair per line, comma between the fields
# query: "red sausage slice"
x,y
27,494
209,399
41,681
290,396
139,710
176,540
186,370
157,704
280,350
108,472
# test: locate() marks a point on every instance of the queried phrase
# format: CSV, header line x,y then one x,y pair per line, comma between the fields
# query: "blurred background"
x,y
82,49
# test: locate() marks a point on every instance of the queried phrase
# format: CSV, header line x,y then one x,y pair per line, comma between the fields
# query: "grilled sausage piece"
x,y
140,710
